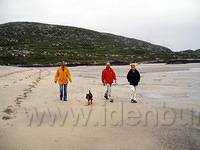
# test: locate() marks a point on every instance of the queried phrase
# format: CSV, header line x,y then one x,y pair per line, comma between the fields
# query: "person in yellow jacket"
x,y
62,76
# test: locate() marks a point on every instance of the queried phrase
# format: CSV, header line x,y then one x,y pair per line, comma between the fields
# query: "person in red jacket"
x,y
108,75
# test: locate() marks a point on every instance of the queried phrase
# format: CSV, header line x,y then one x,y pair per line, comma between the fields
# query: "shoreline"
x,y
113,63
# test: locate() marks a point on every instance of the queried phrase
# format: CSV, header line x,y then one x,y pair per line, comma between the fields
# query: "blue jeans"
x,y
65,91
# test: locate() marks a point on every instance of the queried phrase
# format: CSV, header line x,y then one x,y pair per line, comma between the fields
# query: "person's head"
x,y
133,66
62,64
108,65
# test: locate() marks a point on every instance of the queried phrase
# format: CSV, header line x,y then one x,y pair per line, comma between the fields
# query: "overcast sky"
x,y
171,23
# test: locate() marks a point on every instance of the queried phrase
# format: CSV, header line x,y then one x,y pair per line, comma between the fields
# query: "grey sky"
x,y
171,23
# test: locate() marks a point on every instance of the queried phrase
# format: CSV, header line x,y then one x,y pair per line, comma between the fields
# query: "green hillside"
x,y
37,43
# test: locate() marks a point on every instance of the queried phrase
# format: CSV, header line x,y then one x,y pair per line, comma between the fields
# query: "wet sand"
x,y
167,115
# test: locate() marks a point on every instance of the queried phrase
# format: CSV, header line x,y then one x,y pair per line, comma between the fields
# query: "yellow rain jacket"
x,y
63,76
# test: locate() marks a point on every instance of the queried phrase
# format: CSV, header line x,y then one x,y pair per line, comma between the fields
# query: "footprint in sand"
x,y
19,100
6,117
35,83
9,111
5,86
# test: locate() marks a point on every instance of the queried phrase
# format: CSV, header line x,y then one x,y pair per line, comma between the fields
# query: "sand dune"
x,y
167,115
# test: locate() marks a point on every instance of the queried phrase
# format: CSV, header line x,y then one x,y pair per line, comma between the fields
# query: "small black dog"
x,y
89,98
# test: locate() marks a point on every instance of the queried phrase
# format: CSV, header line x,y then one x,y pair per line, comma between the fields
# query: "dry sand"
x,y
167,115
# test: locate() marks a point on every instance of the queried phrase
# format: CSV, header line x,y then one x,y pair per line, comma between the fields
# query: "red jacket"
x,y
108,75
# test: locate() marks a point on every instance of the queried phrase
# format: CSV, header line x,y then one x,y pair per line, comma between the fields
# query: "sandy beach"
x,y
167,115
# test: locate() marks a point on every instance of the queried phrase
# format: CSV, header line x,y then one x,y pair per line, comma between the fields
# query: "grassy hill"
x,y
37,43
